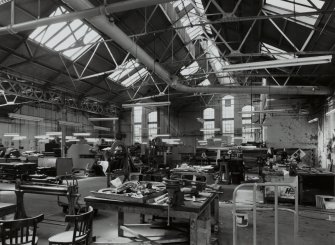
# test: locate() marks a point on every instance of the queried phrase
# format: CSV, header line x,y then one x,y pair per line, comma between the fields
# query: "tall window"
x,y
137,135
247,130
209,124
152,124
228,115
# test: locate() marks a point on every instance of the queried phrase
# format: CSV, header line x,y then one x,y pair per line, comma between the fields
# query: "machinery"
x,y
68,190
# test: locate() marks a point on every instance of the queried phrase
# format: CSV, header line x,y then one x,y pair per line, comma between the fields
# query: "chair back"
x,y
20,231
82,225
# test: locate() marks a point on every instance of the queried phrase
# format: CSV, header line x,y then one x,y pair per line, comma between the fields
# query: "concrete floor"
x,y
314,228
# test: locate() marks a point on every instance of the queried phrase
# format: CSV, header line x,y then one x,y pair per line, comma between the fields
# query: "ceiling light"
x,y
101,128
166,103
96,119
209,129
264,111
25,117
73,140
10,134
70,137
92,140
109,140
202,141
81,134
330,112
66,123
313,120
19,138
41,137
278,63
54,133
162,135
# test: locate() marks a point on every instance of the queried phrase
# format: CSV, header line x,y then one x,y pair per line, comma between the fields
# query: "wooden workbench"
x,y
195,212
7,208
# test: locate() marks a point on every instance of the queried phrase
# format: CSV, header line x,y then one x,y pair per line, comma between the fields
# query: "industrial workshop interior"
x,y
167,122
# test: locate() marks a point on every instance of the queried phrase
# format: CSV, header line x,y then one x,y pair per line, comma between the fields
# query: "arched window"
x,y
137,120
228,115
152,124
209,123
247,130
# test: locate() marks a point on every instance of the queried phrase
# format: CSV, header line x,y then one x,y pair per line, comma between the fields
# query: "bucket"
x,y
241,219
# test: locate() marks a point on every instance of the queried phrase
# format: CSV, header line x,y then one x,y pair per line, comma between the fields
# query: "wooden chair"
x,y
81,232
20,231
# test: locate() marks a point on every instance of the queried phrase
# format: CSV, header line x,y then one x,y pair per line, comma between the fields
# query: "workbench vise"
x,y
176,196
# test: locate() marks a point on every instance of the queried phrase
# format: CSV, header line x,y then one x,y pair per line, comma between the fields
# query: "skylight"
x,y
123,70
195,15
4,1
71,38
276,53
205,83
296,6
135,77
189,70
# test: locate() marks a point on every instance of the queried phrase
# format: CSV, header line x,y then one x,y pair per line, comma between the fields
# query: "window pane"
x,y
137,133
209,113
209,125
138,114
228,107
152,117
152,132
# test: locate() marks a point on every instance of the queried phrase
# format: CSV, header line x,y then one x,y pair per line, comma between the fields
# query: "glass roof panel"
x,y
123,70
204,83
189,70
276,53
71,38
135,77
296,6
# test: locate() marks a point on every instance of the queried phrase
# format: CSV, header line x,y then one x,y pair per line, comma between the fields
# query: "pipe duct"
x,y
115,33
85,13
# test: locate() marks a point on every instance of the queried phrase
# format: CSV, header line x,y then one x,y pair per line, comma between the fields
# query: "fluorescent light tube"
x,y
81,134
330,112
109,140
278,63
73,140
19,138
96,119
41,137
54,133
101,128
166,103
264,111
162,135
11,134
313,120
66,123
92,140
25,117
202,141
209,129
70,137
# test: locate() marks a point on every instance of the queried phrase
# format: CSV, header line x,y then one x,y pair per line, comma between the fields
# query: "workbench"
x,y
196,212
7,208
311,184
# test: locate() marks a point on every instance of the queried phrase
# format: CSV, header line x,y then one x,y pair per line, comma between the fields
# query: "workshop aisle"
x,y
314,228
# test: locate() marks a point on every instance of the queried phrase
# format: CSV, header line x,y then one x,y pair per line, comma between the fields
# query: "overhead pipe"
x,y
86,13
117,35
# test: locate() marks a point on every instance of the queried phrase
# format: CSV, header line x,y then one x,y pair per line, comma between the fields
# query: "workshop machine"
x,y
55,187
